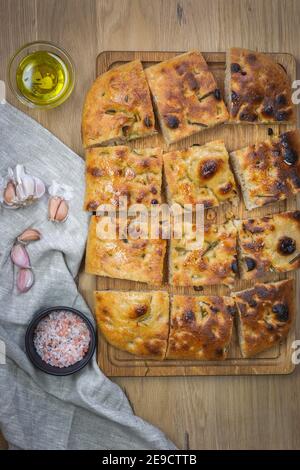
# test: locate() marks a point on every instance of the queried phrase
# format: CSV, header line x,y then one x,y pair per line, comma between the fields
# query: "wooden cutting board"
x,y
275,361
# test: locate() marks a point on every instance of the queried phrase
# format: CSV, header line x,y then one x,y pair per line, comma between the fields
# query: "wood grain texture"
x,y
211,412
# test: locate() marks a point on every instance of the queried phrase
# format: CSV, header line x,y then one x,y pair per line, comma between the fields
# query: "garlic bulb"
x,y
19,189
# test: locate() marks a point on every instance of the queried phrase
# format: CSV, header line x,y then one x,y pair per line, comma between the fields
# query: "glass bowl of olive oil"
x,y
41,75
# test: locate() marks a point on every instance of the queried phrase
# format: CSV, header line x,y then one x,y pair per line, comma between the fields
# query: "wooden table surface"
x,y
195,412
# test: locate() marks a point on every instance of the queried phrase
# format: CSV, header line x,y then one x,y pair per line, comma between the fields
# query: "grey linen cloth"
x,y
38,411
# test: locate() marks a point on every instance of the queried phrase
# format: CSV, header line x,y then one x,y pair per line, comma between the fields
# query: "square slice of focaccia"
x,y
269,244
265,314
114,172
199,175
186,96
136,322
201,327
214,263
118,107
268,171
123,258
258,89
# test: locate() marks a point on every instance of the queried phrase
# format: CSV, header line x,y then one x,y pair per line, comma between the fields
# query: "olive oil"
x,y
42,78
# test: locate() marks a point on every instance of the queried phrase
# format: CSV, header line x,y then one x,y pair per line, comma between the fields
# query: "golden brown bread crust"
x,y
186,96
137,322
269,244
260,90
214,263
136,260
114,172
118,107
199,175
269,171
201,327
265,315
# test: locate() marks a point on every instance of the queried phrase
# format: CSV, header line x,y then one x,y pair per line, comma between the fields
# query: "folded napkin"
x,y
38,411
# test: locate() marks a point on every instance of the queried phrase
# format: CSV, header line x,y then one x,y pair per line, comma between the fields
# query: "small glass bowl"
x,y
28,49
38,361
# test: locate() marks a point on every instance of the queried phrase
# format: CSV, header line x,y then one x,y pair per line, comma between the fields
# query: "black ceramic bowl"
x,y
37,360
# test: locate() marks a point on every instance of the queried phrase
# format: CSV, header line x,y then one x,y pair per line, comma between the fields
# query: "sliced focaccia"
x,y
118,172
199,175
213,262
265,314
258,89
186,96
269,171
200,328
118,107
269,244
136,322
112,252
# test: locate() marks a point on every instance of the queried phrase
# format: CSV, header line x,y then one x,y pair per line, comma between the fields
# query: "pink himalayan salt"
x,y
62,339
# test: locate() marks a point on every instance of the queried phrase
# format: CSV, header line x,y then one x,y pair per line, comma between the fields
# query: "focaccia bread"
x,y
124,258
269,244
201,327
214,263
199,175
136,322
265,314
186,96
114,172
118,107
258,89
269,171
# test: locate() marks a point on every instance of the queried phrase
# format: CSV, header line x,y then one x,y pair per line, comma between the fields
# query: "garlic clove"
x,y
19,256
58,209
25,280
53,206
62,211
29,235
20,192
25,189
39,187
18,173
9,193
